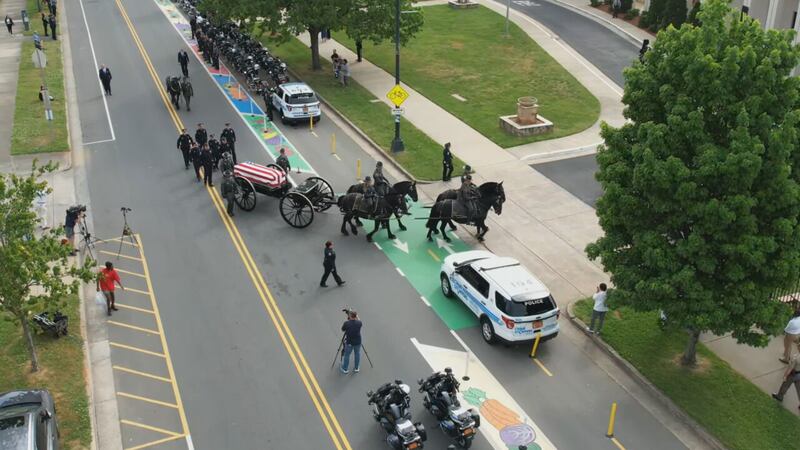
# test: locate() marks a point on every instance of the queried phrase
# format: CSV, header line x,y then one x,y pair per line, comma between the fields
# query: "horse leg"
x,y
399,223
188,99
387,223
482,229
358,222
452,225
377,227
441,227
432,229
344,226
353,226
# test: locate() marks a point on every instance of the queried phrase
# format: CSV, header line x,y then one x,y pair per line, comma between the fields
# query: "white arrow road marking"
x,y
482,379
401,245
441,243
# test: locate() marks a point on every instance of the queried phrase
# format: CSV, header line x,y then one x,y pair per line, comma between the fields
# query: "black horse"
x,y
445,211
187,91
174,88
359,189
394,202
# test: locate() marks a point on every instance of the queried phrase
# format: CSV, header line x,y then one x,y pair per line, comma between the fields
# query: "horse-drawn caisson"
x,y
297,203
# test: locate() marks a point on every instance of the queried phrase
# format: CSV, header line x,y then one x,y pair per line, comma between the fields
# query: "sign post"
x,y
40,60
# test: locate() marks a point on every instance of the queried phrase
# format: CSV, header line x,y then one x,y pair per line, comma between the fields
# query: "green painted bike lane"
x,y
420,261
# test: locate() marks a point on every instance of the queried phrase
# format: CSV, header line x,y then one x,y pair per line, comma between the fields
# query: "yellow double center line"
x,y
287,338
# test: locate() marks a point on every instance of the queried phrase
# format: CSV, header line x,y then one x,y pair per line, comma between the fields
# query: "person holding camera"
x,y
74,215
352,341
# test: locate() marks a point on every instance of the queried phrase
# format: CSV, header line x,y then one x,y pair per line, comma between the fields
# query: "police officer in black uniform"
x,y
193,24
329,263
468,195
230,136
447,163
201,135
183,60
207,159
229,191
283,161
216,153
381,183
467,171
185,145
194,155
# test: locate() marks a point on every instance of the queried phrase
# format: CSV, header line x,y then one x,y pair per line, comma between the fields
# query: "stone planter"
x,y
527,110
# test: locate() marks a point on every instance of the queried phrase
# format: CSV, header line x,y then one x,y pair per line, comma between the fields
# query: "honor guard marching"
x,y
201,135
183,60
283,161
207,159
230,136
216,152
185,146
194,155
227,163
229,191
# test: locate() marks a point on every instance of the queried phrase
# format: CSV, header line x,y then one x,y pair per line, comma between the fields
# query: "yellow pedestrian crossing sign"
x,y
397,95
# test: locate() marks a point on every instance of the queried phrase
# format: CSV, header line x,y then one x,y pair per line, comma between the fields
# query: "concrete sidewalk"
x,y
10,50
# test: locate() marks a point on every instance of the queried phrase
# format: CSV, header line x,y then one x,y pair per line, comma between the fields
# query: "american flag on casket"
x,y
258,174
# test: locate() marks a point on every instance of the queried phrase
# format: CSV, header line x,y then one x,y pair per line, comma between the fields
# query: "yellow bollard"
x,y
536,345
611,419
333,143
358,169
311,123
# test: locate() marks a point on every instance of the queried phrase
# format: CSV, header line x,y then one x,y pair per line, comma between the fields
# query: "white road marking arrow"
x,y
401,245
441,243
496,406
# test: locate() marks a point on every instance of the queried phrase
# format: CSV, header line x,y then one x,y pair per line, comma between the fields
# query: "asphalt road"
x,y
240,388
608,51
575,175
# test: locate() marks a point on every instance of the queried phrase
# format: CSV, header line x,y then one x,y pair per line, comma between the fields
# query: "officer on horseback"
x,y
468,196
283,161
467,172
381,183
370,195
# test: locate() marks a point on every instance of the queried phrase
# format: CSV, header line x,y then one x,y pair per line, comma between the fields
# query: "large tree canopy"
x,y
701,196
362,19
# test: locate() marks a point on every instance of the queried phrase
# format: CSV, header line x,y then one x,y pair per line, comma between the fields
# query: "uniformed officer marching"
x,y
329,263
468,195
185,146
229,191
381,183
194,155
227,163
447,162
183,60
207,160
201,135
216,153
230,136
283,161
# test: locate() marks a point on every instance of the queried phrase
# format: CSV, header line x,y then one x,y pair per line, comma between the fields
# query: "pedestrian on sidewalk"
x,y
185,146
447,163
600,309
52,21
790,377
344,72
359,50
52,5
352,342
105,284
616,5
335,62
329,263
9,24
791,336
45,24
183,60
105,78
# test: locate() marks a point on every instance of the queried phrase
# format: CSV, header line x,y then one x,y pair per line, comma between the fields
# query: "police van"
x,y
513,306
296,102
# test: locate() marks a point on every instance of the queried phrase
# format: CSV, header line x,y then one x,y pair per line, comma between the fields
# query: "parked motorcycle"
x,y
390,408
441,399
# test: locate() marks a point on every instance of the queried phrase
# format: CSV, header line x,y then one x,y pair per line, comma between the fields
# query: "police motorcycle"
x,y
441,399
390,407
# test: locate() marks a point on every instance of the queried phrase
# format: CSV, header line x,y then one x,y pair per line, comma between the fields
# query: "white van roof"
x,y
296,88
512,278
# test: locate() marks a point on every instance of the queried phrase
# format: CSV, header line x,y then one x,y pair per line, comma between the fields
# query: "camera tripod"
x,y
340,353
126,230
87,240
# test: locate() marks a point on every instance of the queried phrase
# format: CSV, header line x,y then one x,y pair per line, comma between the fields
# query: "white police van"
x,y
513,305
296,102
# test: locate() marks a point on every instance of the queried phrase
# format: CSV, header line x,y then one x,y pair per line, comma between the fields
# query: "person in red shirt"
x,y
105,283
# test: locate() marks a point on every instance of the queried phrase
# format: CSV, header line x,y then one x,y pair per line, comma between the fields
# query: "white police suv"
x,y
296,102
513,305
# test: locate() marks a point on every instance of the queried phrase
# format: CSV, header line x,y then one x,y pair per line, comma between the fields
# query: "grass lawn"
x,y
31,132
60,371
422,157
464,52
729,406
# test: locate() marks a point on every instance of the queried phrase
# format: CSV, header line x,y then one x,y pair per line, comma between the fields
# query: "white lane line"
x,y
463,344
400,272
98,142
378,245
189,442
97,71
425,300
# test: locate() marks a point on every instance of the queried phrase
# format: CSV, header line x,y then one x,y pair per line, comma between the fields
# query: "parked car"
x,y
28,421
513,306
296,102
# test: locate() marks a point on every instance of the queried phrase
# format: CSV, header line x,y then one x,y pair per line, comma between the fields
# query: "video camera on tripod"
x,y
76,211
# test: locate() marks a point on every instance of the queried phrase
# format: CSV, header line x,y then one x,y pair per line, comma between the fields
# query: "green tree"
x,y
674,13
35,274
373,20
701,202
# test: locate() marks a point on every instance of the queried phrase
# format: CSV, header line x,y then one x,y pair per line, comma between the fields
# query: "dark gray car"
x,y
28,421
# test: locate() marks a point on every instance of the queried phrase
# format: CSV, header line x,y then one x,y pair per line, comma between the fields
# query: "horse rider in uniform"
x,y
468,195
283,161
370,195
185,146
381,183
467,171
229,191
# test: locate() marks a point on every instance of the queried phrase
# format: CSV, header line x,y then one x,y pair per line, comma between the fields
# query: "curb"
x,y
602,21
364,136
645,384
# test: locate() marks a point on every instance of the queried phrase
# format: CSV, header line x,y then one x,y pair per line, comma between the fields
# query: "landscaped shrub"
x,y
631,14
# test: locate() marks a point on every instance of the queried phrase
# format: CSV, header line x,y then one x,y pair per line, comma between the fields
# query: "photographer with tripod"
x,y
74,216
352,341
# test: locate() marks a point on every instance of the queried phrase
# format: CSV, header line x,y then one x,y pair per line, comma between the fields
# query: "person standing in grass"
x,y
45,24
600,309
344,72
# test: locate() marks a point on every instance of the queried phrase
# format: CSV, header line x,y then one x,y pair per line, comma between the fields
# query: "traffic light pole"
x,y
397,143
